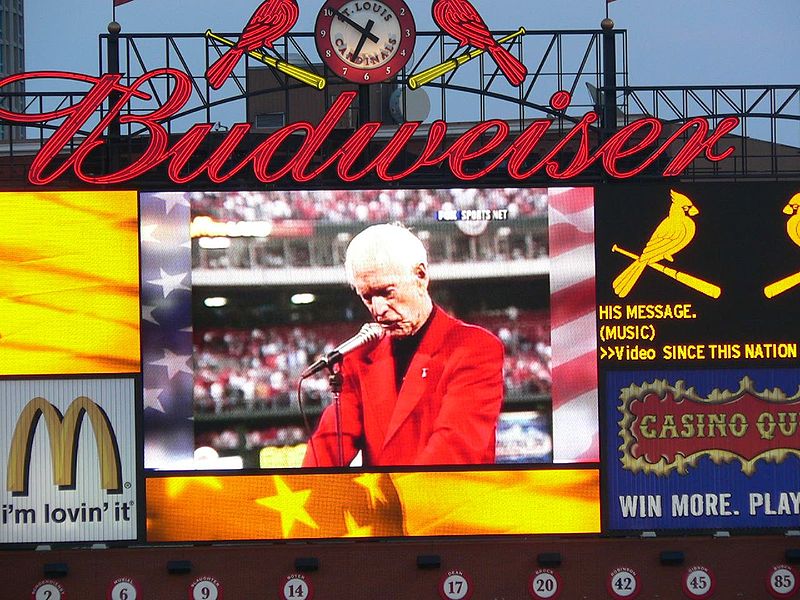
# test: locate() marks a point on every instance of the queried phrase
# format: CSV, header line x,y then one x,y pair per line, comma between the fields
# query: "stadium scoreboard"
x,y
659,375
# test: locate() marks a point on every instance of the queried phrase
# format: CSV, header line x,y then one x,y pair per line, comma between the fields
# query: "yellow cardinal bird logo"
x,y
793,229
671,236
793,224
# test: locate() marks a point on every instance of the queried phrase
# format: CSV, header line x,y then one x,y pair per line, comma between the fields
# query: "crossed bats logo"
x,y
273,19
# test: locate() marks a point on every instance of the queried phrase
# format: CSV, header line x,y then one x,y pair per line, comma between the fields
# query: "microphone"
x,y
369,332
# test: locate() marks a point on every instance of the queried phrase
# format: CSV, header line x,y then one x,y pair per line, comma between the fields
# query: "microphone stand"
x,y
335,380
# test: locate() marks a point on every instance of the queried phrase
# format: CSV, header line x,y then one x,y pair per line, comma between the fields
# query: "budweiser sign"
x,y
487,147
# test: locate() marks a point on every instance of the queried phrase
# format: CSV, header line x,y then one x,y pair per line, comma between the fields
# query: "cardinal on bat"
x,y
271,21
792,209
672,235
793,224
459,19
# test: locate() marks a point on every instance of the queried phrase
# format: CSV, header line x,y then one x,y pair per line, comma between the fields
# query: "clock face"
x,y
365,41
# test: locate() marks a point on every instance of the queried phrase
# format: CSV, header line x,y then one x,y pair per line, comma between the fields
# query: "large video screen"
x,y
494,401
165,356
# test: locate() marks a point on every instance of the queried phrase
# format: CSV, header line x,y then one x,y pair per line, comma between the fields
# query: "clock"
x,y
365,41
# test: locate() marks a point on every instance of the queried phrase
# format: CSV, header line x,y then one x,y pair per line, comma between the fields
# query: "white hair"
x,y
388,245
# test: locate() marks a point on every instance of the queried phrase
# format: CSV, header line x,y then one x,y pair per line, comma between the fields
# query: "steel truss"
x,y
590,64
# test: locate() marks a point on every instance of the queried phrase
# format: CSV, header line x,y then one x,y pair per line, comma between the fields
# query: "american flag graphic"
x,y
573,324
167,330
359,504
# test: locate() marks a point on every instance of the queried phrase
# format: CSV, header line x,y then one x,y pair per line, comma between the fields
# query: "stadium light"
x,y
306,563
58,569
215,301
214,243
671,557
179,567
429,561
303,298
549,559
792,555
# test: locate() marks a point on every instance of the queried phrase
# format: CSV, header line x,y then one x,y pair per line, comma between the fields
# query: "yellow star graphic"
x,y
291,506
353,528
371,481
176,485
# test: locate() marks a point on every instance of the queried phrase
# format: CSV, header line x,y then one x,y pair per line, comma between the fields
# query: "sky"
x,y
671,42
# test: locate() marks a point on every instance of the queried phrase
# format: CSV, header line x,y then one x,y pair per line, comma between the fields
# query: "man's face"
x,y
396,297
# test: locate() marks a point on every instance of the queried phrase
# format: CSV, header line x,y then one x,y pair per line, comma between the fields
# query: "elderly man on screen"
x,y
430,392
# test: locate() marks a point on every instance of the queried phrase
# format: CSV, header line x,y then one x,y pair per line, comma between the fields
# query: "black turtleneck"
x,y
403,350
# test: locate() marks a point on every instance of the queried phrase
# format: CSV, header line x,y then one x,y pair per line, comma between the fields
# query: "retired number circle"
x,y
123,588
623,582
782,581
205,588
698,582
296,587
48,589
545,584
365,41
455,586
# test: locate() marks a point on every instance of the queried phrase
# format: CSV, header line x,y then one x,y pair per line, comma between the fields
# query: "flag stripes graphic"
x,y
573,323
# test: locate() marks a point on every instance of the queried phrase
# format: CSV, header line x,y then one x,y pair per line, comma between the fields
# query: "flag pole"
x,y
114,10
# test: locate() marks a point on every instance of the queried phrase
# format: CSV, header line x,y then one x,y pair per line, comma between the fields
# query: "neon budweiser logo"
x,y
486,147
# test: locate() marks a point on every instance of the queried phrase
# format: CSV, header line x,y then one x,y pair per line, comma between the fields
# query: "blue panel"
x,y
709,496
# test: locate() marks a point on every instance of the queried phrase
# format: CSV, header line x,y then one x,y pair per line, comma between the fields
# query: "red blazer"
x,y
445,413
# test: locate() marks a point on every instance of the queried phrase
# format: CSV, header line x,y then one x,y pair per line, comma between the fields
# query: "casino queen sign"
x,y
363,42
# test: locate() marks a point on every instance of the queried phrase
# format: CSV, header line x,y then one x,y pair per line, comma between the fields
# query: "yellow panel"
x,y
69,292
372,505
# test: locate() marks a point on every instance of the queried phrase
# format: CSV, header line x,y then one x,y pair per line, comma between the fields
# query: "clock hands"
x,y
364,35
365,31
364,42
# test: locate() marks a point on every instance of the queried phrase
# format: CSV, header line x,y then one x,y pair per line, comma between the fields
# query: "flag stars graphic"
x,y
147,314
177,485
372,483
152,400
353,528
173,200
175,363
291,506
169,283
148,233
